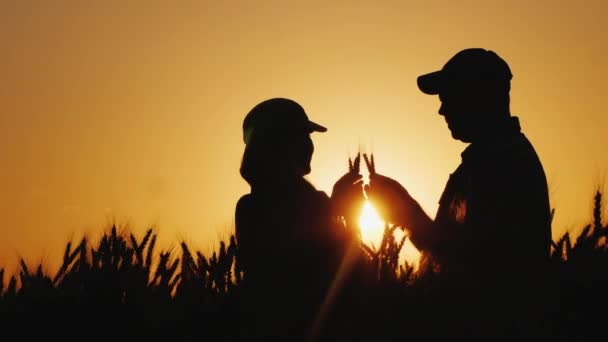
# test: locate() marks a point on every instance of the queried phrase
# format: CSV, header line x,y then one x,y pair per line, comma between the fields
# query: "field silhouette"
x,y
123,288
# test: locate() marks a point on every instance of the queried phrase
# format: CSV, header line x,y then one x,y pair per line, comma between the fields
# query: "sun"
x,y
372,229
372,225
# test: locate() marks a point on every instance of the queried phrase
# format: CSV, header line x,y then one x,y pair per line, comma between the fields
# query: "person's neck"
x,y
278,183
501,125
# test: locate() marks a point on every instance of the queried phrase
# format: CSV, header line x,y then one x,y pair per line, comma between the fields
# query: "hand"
x,y
390,198
347,194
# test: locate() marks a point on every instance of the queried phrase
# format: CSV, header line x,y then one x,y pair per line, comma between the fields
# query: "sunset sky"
x,y
131,111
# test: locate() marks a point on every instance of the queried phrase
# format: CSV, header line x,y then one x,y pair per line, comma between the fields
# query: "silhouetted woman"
x,y
291,242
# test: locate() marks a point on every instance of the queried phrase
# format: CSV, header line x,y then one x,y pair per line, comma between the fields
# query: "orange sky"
x,y
133,112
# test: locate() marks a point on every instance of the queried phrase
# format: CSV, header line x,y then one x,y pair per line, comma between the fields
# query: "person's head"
x,y
473,87
277,140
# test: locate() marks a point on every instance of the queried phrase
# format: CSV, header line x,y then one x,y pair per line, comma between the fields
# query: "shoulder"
x,y
244,217
244,208
321,200
513,153
322,196
514,171
312,194
244,202
314,203
520,159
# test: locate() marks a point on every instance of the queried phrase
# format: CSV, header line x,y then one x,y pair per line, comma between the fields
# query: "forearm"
x,y
418,223
349,212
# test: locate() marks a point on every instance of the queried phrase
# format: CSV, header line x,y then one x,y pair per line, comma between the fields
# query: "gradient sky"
x,y
131,111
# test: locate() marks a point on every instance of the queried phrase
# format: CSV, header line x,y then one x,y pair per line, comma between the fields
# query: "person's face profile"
x,y
302,151
457,107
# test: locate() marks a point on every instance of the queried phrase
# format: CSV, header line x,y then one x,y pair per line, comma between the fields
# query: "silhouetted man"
x,y
491,235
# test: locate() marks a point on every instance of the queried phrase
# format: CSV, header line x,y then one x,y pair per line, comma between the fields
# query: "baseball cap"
x,y
278,116
475,67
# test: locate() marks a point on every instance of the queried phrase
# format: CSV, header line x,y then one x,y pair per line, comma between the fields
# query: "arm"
x,y
396,205
347,198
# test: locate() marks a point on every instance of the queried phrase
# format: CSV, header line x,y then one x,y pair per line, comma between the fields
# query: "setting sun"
x,y
372,226
142,177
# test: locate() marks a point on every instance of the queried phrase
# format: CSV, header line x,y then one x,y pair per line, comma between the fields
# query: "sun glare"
x,y
372,226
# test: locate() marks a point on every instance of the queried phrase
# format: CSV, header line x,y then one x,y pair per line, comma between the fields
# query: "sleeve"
x,y
447,232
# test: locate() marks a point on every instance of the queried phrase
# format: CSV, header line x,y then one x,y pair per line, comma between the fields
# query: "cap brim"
x,y
315,127
431,83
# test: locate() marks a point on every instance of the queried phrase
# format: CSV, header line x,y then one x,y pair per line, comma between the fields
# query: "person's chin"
x,y
306,170
460,136
454,133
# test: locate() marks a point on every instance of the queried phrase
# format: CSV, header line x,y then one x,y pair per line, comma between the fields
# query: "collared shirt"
x,y
494,213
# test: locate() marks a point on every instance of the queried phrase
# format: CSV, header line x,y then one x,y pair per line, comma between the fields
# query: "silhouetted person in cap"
x,y
491,235
292,238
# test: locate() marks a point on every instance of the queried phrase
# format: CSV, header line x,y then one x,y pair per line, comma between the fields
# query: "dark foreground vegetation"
x,y
123,289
